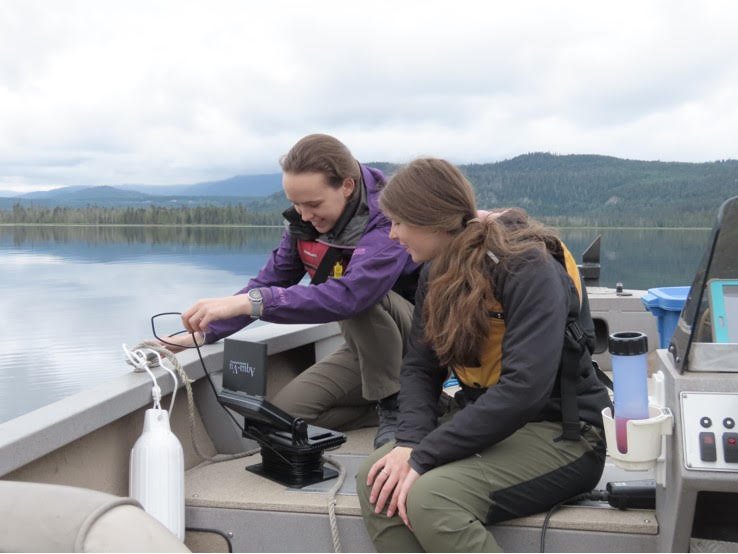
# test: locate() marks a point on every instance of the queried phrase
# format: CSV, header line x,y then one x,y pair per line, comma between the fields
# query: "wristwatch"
x,y
257,303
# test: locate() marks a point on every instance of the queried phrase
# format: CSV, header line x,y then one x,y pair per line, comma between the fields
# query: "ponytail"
x,y
434,194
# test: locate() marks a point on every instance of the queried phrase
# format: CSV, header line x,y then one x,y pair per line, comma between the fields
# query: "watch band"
x,y
257,303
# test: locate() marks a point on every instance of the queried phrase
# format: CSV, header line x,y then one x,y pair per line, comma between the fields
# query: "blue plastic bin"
x,y
666,304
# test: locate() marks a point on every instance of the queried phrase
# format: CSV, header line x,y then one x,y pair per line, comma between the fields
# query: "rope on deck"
x,y
332,500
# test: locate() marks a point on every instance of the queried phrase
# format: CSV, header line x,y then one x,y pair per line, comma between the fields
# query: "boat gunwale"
x,y
35,434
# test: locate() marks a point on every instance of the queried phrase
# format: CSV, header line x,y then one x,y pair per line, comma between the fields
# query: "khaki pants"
x,y
449,506
341,390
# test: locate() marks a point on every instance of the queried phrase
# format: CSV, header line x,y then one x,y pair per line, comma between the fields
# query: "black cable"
x,y
253,433
592,495
260,438
212,385
216,531
199,355
544,528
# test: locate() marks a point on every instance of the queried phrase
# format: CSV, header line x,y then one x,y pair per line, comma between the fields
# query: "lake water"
x,y
70,296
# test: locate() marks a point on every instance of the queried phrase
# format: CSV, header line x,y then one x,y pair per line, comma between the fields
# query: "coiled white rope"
x,y
157,351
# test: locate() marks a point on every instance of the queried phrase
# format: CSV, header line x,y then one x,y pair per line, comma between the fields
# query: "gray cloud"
x,y
175,92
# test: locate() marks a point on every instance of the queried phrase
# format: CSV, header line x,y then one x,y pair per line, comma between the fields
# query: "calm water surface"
x,y
71,295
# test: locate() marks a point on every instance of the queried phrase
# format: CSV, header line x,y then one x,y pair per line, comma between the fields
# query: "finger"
x,y
379,481
187,317
204,323
198,338
402,506
186,320
373,472
387,490
392,508
378,466
198,317
173,348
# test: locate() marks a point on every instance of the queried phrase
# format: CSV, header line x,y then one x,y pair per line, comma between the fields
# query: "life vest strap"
x,y
574,346
331,256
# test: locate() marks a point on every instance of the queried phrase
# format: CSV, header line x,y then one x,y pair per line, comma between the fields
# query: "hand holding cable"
x,y
205,311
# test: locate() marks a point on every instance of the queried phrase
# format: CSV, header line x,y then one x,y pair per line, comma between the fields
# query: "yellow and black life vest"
x,y
488,372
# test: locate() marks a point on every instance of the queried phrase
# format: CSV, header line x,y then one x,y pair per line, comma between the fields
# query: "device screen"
x,y
730,295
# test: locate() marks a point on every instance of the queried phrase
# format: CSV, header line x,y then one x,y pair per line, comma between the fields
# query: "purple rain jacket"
x,y
376,264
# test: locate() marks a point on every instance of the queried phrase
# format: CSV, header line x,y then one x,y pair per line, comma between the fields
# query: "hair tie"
x,y
473,220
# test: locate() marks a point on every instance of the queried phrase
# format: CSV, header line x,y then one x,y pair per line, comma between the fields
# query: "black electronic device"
x,y
244,366
632,494
291,450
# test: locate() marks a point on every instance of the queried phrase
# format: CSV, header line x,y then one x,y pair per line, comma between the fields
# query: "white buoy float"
x,y
157,459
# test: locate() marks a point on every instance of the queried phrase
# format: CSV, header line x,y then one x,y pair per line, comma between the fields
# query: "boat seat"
x,y
39,517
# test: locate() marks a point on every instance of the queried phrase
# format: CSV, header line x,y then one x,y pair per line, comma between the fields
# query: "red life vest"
x,y
312,253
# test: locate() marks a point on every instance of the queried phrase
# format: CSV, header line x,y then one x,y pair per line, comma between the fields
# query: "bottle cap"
x,y
628,344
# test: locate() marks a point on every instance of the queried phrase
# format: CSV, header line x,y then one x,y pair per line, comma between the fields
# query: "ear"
x,y
348,187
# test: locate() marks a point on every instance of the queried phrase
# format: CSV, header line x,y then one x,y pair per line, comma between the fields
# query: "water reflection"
x,y
228,237
71,295
643,258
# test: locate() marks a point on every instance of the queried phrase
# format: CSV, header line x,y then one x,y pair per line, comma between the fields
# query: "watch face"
x,y
255,295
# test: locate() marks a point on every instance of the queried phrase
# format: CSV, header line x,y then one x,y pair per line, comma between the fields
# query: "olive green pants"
x,y
450,505
341,390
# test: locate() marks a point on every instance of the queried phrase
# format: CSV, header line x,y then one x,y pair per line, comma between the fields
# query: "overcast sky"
x,y
108,92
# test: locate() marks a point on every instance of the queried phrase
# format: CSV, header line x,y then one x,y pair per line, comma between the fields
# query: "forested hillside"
x,y
600,190
572,190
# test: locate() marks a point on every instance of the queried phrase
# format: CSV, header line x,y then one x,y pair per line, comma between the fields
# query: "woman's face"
x,y
422,243
315,200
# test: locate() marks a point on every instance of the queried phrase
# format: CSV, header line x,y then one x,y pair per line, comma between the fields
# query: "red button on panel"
x,y
708,450
730,447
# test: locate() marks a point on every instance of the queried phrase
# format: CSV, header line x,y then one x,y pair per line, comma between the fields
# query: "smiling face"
x,y
422,243
315,200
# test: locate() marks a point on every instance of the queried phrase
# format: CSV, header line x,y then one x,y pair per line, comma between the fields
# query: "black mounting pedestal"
x,y
291,450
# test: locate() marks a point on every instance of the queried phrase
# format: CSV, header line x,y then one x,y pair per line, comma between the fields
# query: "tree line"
x,y
571,190
232,214
229,237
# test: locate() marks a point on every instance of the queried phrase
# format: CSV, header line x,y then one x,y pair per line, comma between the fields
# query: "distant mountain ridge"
x,y
244,186
560,189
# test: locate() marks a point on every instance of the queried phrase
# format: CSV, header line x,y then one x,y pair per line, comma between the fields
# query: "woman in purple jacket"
x,y
338,235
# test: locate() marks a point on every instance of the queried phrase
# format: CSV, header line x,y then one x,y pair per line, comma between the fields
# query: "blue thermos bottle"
x,y
628,353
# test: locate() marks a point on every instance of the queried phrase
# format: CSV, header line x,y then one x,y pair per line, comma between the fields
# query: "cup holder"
x,y
644,438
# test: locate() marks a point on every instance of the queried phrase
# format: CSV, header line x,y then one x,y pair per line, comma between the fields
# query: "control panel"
x,y
709,431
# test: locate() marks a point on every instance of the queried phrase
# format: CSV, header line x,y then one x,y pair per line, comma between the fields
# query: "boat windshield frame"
x,y
720,261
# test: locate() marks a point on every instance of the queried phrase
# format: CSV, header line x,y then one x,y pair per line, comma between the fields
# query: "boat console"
x,y
696,378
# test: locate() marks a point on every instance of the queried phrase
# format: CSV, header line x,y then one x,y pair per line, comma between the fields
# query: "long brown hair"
x,y
322,154
434,194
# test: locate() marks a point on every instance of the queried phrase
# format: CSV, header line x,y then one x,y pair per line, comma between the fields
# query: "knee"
x,y
433,513
297,406
421,497
358,322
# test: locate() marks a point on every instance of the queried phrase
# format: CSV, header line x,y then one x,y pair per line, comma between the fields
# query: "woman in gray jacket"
x,y
496,303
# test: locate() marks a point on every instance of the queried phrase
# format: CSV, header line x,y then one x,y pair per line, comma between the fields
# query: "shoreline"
x,y
246,226
186,225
